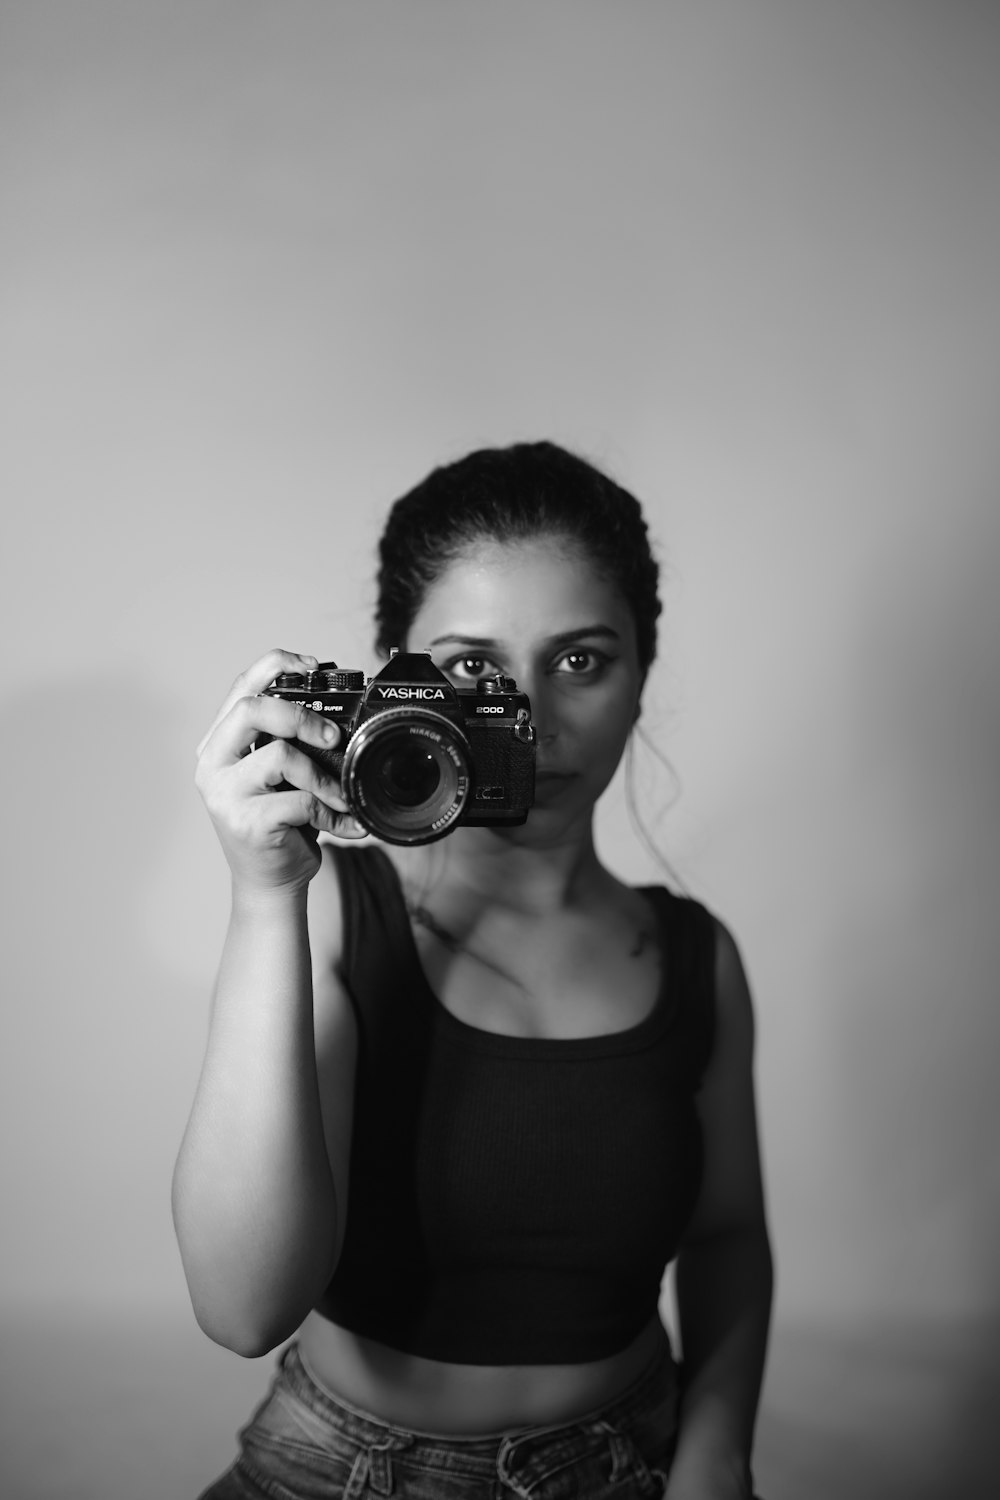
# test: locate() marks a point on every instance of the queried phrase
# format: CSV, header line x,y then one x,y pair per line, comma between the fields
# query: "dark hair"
x,y
507,495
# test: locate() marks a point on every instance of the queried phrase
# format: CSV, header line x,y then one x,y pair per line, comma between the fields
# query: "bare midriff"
x,y
429,1395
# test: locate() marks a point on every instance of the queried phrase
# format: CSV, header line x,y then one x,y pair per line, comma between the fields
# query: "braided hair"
x,y
514,494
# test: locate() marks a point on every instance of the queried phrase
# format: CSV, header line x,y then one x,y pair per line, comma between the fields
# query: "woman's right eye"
x,y
467,669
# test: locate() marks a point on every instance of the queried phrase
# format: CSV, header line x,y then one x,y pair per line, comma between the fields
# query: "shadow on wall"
x,y
881,1413
918,951
92,1057
898,1400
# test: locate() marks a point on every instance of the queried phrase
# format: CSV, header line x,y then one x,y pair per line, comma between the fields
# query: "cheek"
x,y
615,740
603,755
605,727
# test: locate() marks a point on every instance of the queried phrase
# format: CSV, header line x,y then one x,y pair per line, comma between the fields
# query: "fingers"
x,y
282,761
251,717
279,786
267,820
255,679
300,809
348,828
270,808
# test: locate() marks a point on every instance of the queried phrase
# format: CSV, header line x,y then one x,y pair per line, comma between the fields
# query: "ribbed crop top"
x,y
512,1200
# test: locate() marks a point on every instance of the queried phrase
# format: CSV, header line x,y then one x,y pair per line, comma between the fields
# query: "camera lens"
x,y
406,775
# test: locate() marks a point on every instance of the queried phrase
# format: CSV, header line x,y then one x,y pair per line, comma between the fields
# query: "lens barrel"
x,y
406,775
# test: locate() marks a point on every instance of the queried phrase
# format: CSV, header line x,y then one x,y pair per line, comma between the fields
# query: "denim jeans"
x,y
302,1444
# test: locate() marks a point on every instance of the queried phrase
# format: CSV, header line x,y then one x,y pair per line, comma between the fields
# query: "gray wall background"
x,y
262,266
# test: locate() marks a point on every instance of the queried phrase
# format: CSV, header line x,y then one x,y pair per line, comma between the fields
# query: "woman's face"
x,y
537,611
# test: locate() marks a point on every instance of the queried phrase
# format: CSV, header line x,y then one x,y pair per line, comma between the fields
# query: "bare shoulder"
x,y
611,901
732,1191
735,1027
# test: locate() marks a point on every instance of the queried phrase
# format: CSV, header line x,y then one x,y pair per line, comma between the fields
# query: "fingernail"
x,y
330,732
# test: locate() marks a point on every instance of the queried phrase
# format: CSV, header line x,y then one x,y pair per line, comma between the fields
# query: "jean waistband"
x,y
642,1412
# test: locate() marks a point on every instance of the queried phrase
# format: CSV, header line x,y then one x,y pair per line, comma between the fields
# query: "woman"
x,y
463,1101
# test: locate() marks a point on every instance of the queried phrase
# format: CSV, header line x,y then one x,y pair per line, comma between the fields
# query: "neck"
x,y
514,868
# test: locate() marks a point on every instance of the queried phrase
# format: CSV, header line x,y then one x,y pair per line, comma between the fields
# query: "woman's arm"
x,y
258,1188
724,1269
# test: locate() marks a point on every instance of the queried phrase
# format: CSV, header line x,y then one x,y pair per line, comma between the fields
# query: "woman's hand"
x,y
269,836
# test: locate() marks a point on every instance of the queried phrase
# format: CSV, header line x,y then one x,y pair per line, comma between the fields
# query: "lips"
x,y
552,781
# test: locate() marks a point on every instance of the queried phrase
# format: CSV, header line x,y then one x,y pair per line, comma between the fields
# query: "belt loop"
x,y
380,1468
505,1467
621,1451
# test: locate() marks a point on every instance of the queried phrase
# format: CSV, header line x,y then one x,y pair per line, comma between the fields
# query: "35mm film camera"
x,y
418,756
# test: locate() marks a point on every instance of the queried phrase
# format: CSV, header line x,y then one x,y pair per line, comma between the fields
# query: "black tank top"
x,y
513,1200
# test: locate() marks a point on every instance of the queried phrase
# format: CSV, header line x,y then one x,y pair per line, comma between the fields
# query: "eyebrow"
x,y
565,637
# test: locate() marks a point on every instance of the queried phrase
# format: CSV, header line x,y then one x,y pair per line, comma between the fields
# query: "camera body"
x,y
417,756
